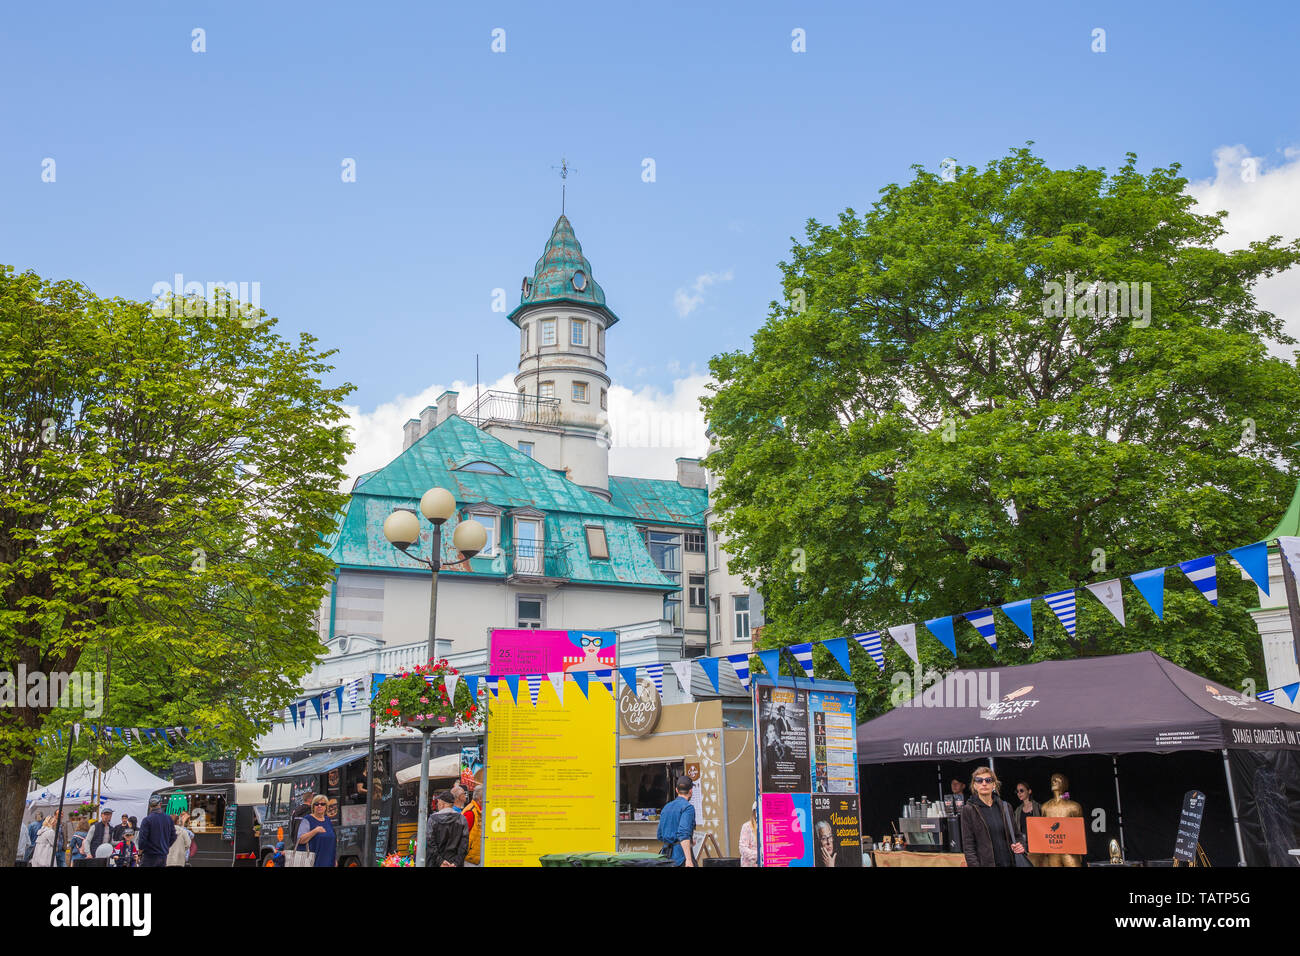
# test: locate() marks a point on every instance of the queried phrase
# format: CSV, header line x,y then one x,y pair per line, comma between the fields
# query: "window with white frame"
x,y
548,332
697,590
717,617
530,611
600,339
597,545
580,391
577,331
488,519
546,389
527,448
740,610
694,542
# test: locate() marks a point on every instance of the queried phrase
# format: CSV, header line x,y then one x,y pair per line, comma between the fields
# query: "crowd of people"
x,y
161,840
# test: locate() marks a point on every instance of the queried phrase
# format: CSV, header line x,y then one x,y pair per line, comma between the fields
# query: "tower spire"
x,y
564,175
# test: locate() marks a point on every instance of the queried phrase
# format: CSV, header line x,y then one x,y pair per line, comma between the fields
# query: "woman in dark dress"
x,y
316,833
988,834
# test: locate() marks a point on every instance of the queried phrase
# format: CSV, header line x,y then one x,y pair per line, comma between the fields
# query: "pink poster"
x,y
545,652
786,821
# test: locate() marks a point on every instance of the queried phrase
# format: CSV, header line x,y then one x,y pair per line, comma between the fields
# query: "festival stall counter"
x,y
659,743
1134,732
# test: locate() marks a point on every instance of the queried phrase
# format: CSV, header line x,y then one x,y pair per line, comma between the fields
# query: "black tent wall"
x,y
1267,787
1152,787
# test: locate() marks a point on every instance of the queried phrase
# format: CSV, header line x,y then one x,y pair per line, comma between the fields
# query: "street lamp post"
x,y
402,529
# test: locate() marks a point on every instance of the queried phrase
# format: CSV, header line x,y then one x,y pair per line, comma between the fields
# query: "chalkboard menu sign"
x,y
183,773
219,771
1189,826
381,838
228,823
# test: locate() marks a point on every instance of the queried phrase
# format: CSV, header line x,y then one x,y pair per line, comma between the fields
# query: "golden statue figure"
x,y
1060,806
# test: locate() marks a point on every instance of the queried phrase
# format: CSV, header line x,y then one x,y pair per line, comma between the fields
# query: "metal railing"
x,y
537,560
513,407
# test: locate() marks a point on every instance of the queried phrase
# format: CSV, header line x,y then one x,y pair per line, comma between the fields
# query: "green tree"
x,y
939,435
167,480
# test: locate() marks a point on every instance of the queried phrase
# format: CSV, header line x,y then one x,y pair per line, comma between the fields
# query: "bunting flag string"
x,y
803,654
1253,559
581,678
710,667
1200,571
557,681
629,677
493,685
338,697
1270,696
534,686
740,664
471,681
771,661
839,649
512,682
982,621
941,627
1151,585
904,636
449,682
656,672
1111,595
606,677
870,642
683,671
1063,606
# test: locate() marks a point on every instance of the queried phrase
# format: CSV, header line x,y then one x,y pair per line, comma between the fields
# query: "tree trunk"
x,y
13,791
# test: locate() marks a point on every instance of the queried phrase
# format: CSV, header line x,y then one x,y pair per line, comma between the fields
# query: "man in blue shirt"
x,y
156,835
677,825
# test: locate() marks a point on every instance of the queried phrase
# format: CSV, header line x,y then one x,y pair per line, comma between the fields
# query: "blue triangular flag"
x,y
338,694
375,681
839,648
1253,559
710,667
870,642
1200,571
315,704
1151,585
581,678
629,677
740,664
1291,690
941,627
512,681
1063,605
771,661
471,681
606,677
983,622
1022,616
803,654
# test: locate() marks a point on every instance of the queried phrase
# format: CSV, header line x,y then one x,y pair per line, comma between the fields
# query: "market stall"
x,y
1131,733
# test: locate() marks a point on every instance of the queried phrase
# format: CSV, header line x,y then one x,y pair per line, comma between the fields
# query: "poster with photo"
x,y
834,742
786,822
783,755
837,830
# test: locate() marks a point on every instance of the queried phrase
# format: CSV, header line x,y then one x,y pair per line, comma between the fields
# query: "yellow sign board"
x,y
552,778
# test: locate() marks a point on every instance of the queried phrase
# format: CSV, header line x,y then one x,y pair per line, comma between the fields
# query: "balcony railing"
x,y
513,407
529,560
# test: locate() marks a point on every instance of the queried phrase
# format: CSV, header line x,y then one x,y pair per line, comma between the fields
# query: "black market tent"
x,y
1128,704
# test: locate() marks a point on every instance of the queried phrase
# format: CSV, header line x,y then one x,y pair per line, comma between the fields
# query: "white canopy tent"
x,y
124,788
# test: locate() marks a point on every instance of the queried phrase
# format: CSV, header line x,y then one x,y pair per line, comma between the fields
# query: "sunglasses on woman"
x,y
983,779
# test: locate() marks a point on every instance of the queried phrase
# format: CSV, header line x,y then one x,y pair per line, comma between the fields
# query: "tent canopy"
x,y
1125,703
440,768
123,788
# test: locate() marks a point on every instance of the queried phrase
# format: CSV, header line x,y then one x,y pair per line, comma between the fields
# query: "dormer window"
x,y
482,468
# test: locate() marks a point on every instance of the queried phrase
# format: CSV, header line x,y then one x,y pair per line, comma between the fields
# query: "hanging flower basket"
x,y
418,698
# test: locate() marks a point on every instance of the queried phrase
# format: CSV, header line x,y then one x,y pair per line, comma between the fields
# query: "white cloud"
x,y
1262,199
687,301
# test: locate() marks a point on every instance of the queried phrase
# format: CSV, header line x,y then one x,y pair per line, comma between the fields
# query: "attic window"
x,y
597,547
482,468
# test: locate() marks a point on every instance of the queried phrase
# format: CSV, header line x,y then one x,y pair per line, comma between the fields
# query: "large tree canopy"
x,y
940,429
167,479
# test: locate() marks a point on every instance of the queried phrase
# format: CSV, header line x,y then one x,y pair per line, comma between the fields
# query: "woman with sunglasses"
x,y
316,832
988,834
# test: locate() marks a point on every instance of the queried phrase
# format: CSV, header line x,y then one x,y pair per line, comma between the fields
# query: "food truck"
x,y
225,814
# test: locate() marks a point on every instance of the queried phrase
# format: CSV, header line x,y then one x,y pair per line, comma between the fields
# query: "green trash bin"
x,y
594,859
556,859
639,858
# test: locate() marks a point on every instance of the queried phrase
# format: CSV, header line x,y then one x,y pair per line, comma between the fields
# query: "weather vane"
x,y
564,174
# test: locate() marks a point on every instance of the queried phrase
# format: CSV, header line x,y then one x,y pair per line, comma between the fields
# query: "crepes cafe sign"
x,y
639,713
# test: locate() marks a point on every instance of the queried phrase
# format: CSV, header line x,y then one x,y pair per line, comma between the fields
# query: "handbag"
x,y
299,858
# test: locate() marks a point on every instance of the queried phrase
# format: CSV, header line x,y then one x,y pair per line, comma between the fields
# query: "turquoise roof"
x,y
434,459
660,501
553,275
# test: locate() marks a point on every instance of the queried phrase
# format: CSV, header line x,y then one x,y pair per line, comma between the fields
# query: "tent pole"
x,y
1232,802
1119,808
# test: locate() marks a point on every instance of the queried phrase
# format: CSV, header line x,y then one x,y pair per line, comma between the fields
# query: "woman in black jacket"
x,y
988,834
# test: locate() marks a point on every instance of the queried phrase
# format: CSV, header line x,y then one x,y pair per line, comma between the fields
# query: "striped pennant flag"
x,y
354,688
983,622
534,686
606,677
1151,585
1253,559
740,664
581,678
869,641
493,685
557,681
839,649
710,667
1200,571
1063,605
656,672
302,712
1265,696
803,654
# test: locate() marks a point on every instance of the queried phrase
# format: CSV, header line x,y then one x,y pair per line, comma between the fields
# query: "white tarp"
x,y
124,788
440,768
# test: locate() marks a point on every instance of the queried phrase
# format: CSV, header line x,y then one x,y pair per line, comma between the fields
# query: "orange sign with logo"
x,y
1056,835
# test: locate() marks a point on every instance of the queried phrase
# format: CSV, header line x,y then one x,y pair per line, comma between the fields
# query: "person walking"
x,y
179,852
448,839
988,834
677,825
295,818
749,839
43,846
156,835
100,832
316,833
33,831
474,817
81,842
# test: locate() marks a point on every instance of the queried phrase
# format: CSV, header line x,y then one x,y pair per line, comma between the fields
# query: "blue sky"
x,y
225,165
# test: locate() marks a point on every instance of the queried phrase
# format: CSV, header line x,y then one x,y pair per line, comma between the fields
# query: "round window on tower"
x,y
580,280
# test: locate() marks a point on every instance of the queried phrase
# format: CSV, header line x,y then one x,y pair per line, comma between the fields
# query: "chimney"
x,y
447,405
428,418
410,433
689,473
